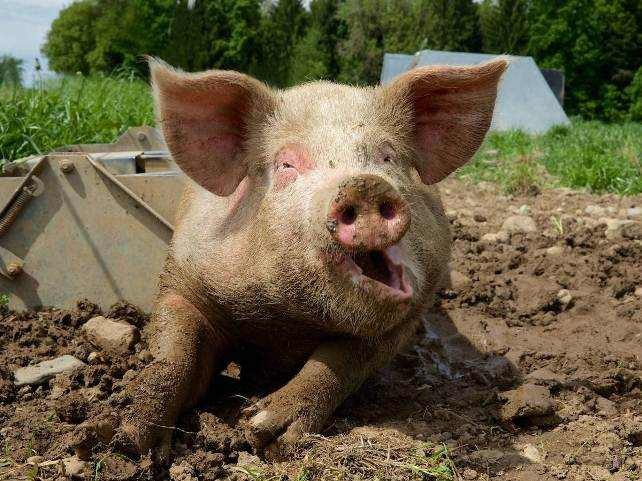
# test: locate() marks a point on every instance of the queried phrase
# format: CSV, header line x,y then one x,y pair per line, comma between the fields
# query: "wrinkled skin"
x,y
267,257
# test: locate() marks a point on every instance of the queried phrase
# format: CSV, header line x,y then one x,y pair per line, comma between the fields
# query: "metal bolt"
x,y
14,269
141,136
66,165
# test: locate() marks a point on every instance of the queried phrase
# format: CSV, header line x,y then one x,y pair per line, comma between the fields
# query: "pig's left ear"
x,y
452,109
205,119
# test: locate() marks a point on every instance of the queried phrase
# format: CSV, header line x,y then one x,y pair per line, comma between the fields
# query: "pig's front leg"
x,y
187,349
333,372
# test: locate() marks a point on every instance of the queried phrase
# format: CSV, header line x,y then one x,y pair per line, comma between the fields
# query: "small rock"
x,y
565,298
618,228
94,358
595,210
527,401
524,210
73,466
35,460
500,237
632,231
182,472
459,281
519,224
605,407
469,474
451,215
533,454
638,292
247,459
129,376
479,217
554,251
112,336
45,370
145,356
634,213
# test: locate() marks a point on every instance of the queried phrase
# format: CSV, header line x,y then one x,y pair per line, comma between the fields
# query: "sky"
x,y
23,28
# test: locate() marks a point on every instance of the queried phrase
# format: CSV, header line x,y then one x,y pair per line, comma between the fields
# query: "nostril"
x,y
387,210
348,215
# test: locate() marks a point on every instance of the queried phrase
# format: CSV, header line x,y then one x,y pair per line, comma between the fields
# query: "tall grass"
x,y
71,110
592,155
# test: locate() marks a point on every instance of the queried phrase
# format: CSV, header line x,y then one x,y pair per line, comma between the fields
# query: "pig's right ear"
x,y
205,118
452,108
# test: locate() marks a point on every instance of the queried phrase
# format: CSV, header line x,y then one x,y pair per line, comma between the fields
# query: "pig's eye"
x,y
285,165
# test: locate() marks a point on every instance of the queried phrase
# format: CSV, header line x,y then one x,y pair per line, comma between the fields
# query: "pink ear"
x,y
452,110
205,119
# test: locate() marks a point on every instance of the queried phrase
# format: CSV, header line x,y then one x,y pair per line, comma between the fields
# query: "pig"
x,y
309,240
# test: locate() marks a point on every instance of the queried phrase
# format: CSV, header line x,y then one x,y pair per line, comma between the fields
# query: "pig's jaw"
x,y
380,272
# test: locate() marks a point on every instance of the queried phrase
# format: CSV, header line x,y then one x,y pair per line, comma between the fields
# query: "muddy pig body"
x,y
311,235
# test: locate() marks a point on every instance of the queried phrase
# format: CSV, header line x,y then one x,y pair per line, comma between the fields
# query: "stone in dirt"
x,y
595,210
45,370
500,237
554,251
111,336
519,224
565,298
533,454
619,228
529,401
459,281
73,467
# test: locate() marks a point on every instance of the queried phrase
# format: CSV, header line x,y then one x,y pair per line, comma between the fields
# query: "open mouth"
x,y
380,271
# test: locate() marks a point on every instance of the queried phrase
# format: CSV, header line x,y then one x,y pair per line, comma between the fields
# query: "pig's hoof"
x,y
277,434
141,438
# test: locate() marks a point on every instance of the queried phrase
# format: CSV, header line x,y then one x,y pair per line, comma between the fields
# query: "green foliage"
x,y
504,26
635,94
71,38
452,25
10,70
69,111
4,305
598,45
589,154
283,26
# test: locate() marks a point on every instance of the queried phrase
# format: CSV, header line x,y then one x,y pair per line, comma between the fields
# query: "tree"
x,y
10,70
282,26
452,25
374,27
597,44
127,29
71,38
504,26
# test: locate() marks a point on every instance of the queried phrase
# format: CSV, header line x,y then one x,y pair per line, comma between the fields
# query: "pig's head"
x,y
335,182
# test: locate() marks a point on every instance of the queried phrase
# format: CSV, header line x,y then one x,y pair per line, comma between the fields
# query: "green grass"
x,y
71,111
589,155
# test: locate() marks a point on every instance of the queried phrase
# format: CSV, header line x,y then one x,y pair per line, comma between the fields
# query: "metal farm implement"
x,y
88,221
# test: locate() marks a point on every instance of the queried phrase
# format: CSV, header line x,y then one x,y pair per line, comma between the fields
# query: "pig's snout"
x,y
367,213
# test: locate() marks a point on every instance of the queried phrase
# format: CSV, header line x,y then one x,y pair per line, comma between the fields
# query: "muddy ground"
x,y
528,368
